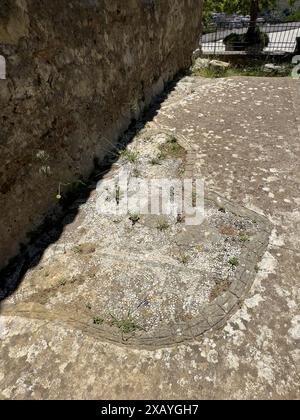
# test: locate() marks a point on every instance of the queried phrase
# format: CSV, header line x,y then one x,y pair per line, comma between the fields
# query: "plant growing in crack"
x,y
234,262
172,140
136,173
184,259
162,225
62,282
244,238
98,320
158,160
129,156
127,325
74,184
220,288
78,249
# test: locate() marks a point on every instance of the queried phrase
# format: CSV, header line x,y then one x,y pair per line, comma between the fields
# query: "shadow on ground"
x,y
52,228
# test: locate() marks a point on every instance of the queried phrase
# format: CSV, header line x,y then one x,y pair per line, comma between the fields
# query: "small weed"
x,y
73,188
254,70
77,249
62,282
88,306
172,139
219,289
244,238
173,149
128,155
158,159
98,320
240,304
256,268
155,161
184,259
211,73
136,173
134,218
185,317
126,325
198,249
162,225
234,262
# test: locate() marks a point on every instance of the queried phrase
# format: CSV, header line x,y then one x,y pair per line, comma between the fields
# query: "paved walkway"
x,y
245,135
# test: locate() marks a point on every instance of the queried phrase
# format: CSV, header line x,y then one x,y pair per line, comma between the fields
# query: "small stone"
x,y
219,65
200,64
273,68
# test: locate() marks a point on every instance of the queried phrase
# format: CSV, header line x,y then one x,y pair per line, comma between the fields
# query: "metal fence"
x,y
281,37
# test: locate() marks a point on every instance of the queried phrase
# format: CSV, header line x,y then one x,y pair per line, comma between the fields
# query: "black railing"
x,y
219,38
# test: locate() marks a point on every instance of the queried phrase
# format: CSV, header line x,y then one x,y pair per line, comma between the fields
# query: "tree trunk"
x,y
254,9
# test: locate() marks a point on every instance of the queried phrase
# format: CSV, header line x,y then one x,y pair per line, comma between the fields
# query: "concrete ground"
x,y
242,136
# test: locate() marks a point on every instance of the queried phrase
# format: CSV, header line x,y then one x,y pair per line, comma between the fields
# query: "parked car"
x,y
219,17
246,20
260,21
235,22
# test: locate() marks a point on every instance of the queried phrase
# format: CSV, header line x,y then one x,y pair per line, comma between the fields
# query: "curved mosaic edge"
x,y
212,316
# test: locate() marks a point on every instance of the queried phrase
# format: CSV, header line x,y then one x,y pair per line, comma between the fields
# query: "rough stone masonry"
x,y
77,73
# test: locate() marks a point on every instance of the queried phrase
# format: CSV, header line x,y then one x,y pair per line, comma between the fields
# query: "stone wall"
x,y
77,73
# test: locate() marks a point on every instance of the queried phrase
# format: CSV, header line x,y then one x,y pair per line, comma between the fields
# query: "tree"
x,y
246,7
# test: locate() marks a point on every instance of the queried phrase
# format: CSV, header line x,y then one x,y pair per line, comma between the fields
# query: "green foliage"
x,y
126,325
62,282
256,70
98,320
295,17
162,225
244,238
128,155
237,6
244,6
234,262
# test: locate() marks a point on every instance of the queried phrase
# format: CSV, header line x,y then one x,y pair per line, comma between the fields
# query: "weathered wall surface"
x,y
77,73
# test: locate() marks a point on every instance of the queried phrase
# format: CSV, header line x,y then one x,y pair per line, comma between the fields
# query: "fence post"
x,y
297,49
216,37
